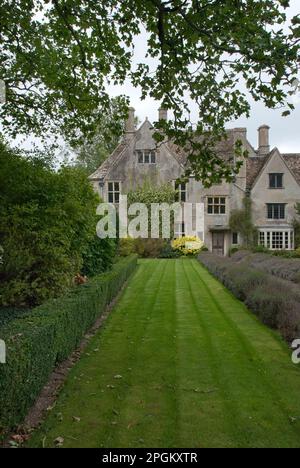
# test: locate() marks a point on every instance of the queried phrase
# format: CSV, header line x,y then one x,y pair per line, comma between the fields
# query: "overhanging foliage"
x,y
58,57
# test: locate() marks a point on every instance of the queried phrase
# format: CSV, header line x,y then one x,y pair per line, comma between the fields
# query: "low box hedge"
x,y
47,335
281,267
275,301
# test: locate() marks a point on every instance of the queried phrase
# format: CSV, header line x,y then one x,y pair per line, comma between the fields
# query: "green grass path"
x,y
179,363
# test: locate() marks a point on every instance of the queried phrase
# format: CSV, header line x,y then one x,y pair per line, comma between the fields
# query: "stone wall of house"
x,y
125,169
262,194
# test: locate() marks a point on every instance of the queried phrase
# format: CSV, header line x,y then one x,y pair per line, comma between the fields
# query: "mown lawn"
x,y
179,363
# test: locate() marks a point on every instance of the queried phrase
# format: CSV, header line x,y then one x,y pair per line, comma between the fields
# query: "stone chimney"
x,y
162,114
263,140
130,123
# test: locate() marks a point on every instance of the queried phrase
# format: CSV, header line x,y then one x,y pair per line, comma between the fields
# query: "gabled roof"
x,y
224,148
256,165
293,162
113,159
178,152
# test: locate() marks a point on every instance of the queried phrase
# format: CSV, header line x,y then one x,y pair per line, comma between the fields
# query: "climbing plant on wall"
x,y
241,222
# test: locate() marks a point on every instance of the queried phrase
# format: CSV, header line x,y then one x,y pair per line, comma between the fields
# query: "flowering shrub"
x,y
285,268
274,300
187,245
126,247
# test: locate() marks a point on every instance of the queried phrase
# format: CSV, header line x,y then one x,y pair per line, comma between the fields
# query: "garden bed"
x,y
284,268
274,300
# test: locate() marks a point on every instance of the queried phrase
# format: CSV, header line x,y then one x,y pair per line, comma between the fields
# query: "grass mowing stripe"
x,y
151,403
226,411
137,321
170,368
95,394
253,389
201,401
241,332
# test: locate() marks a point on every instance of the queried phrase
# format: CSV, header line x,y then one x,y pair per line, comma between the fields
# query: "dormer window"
x,y
276,181
146,156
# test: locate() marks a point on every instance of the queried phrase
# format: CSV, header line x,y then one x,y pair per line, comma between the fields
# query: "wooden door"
x,y
218,243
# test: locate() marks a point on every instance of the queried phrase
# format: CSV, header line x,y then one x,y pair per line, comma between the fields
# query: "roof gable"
x,y
293,163
110,162
142,138
257,166
254,166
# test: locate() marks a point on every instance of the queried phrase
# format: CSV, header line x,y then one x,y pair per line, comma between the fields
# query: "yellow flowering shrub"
x,y
187,245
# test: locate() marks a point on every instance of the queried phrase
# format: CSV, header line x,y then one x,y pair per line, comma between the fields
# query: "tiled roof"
x,y
177,152
224,148
293,162
109,162
254,166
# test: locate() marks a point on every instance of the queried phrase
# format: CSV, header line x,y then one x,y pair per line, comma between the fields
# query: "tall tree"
x,y
92,152
57,57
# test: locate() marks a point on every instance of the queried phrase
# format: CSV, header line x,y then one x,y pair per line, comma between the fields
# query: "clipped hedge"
x,y
275,301
285,268
47,335
7,314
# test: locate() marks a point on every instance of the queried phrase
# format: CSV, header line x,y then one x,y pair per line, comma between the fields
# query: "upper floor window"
x,y
216,205
181,192
146,156
275,181
276,210
113,192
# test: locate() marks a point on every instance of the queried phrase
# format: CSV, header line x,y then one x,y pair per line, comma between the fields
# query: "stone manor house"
x,y
270,178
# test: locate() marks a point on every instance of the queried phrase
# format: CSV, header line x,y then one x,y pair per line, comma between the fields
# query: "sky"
x,y
284,131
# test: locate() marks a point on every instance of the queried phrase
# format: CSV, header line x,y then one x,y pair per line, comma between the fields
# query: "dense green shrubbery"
x,y
275,301
126,246
145,248
10,313
160,248
47,224
149,248
168,251
98,256
47,335
286,253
